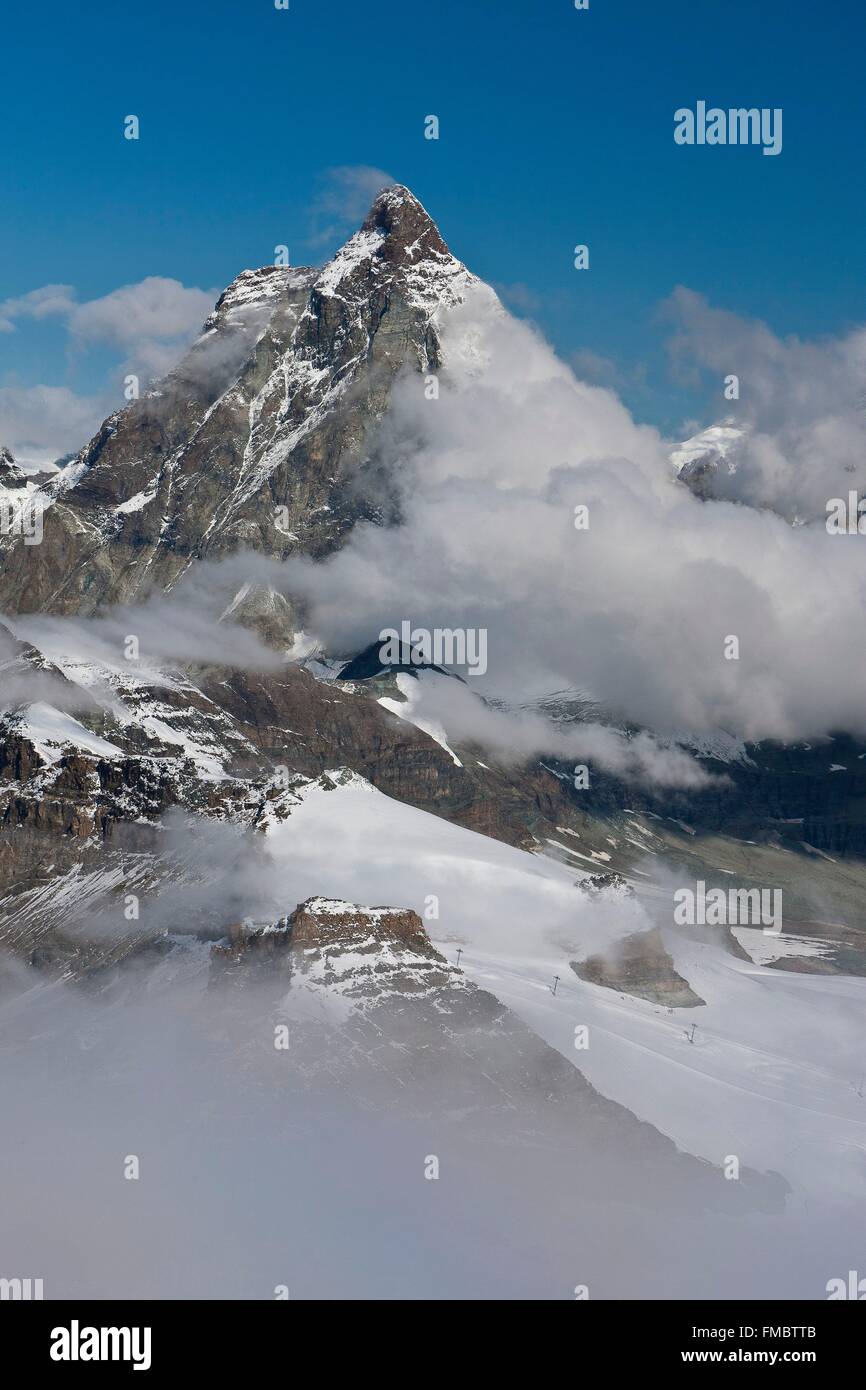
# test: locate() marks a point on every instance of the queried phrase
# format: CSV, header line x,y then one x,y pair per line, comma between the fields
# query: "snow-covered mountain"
x,y
255,438
11,475
707,459
217,807
256,442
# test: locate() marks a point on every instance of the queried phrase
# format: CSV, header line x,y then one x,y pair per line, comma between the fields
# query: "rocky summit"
x,y
257,437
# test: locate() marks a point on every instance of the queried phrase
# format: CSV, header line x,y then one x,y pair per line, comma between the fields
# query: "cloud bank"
x,y
802,406
534,506
149,325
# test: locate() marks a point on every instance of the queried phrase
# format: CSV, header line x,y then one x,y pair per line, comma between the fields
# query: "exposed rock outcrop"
x,y
640,965
362,954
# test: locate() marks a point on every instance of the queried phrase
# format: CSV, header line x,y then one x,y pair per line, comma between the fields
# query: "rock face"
x,y
611,885
359,954
640,965
325,922
258,437
269,613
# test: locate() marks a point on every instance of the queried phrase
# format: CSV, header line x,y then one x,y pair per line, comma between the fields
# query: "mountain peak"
x,y
408,229
254,439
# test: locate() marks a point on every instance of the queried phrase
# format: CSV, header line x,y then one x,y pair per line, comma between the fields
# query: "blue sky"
x,y
556,128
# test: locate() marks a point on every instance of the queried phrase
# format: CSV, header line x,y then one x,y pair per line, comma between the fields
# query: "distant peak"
x,y
10,473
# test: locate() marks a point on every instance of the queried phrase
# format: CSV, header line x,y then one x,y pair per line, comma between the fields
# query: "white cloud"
x,y
169,633
344,199
42,423
36,304
595,367
519,296
634,611
515,735
154,309
151,323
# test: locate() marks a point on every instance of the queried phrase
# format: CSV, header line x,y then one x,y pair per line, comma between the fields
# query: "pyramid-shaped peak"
x,y
409,230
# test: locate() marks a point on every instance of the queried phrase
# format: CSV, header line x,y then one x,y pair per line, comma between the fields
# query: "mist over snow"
x,y
250,1179
170,632
261,1168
